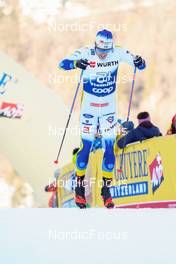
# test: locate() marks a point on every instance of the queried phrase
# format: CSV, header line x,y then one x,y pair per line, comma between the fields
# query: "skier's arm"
x,y
76,60
125,140
126,56
128,125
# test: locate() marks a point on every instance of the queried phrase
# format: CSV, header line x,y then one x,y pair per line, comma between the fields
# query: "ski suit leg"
x,y
88,128
108,123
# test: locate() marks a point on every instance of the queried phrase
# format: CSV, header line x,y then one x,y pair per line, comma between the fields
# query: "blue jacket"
x,y
143,131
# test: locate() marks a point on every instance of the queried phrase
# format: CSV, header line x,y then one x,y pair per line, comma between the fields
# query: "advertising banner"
x,y
147,180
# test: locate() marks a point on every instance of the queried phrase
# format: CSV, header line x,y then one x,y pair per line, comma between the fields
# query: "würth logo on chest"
x,y
103,64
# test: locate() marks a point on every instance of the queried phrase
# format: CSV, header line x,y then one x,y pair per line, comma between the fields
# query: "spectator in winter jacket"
x,y
143,131
172,129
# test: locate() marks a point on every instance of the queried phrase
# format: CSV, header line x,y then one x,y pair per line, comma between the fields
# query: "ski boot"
x,y
105,193
80,199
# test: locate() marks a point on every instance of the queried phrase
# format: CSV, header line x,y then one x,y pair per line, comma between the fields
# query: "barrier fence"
x,y
148,178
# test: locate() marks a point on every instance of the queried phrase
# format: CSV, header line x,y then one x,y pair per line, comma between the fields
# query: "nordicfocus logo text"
x,y
105,90
103,64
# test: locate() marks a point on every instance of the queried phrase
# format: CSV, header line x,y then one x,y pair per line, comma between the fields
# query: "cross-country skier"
x,y
100,63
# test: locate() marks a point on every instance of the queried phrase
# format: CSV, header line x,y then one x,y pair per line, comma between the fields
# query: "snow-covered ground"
x,y
93,236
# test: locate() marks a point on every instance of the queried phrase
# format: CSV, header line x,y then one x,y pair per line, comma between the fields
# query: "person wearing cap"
x,y
172,128
100,63
144,130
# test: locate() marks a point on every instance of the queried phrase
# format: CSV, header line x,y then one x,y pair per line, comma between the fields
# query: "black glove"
x,y
82,64
138,61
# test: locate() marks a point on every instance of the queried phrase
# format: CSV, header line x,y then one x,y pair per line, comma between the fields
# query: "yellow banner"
x,y
148,177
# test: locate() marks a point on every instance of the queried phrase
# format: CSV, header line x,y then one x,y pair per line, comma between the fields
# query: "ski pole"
x,y
128,117
71,110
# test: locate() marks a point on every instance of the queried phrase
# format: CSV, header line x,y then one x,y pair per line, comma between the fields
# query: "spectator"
x,y
172,129
144,130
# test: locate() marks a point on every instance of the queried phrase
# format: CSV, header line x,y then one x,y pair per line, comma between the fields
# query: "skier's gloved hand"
x,y
139,62
128,125
82,64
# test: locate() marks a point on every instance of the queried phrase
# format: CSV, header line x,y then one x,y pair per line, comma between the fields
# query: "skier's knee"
x,y
83,155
